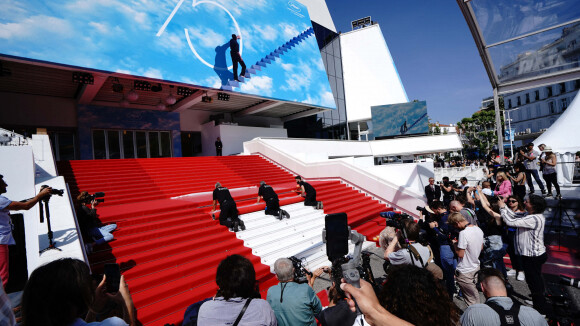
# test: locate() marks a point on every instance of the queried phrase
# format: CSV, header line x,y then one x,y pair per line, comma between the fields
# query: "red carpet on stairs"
x,y
169,249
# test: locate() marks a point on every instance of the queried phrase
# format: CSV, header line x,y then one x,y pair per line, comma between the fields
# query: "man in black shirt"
x,y
236,57
267,193
228,209
308,192
218,147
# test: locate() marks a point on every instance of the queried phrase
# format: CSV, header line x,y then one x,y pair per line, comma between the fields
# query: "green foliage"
x,y
479,129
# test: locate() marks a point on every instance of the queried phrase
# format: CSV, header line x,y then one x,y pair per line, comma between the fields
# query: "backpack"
x,y
506,317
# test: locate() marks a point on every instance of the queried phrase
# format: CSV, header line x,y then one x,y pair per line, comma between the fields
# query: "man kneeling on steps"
x,y
228,209
308,192
267,193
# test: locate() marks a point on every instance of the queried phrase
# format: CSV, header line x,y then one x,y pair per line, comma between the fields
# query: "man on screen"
x,y
236,57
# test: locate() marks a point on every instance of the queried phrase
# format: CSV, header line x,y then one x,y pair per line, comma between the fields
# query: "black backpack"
x,y
506,317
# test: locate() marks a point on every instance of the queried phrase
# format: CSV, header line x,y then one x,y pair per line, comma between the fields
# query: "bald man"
x,y
498,308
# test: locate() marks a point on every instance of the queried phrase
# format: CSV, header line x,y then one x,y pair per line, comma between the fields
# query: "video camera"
x,y
299,271
395,219
96,196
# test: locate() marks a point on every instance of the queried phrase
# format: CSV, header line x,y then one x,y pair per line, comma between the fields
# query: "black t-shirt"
x,y
307,187
218,144
234,46
450,193
222,193
338,315
267,192
487,222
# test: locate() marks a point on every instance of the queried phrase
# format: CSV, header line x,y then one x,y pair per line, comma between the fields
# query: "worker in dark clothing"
x,y
267,193
308,192
228,209
218,147
236,57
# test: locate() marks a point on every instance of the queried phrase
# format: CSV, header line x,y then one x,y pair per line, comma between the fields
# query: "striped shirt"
x,y
529,236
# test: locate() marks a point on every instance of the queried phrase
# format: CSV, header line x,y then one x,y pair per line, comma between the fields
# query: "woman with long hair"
x,y
61,293
504,186
549,172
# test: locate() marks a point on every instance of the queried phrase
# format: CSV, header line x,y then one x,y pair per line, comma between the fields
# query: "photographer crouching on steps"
x,y
6,239
93,231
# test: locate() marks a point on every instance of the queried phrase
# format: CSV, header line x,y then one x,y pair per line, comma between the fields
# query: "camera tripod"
x,y
559,215
44,207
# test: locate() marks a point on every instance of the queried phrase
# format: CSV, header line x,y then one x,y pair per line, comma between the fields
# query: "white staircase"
x,y
300,236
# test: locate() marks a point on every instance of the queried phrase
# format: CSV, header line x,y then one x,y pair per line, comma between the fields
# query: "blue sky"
x,y
433,51
174,40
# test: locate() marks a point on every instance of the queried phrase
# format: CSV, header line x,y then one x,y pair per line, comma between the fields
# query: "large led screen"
x,y
400,119
176,40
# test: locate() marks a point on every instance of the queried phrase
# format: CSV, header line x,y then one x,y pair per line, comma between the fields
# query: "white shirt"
x,y
5,222
470,239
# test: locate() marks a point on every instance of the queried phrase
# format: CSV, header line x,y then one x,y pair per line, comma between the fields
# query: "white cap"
x,y
487,191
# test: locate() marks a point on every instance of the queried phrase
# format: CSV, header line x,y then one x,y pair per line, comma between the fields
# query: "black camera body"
x,y
96,196
58,192
299,271
395,219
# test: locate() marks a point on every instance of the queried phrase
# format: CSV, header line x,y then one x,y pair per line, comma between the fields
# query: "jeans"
x,y
448,265
529,174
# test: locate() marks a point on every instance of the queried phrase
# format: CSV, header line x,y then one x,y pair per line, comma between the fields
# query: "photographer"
x,y
6,239
338,312
92,230
293,303
448,192
443,235
468,247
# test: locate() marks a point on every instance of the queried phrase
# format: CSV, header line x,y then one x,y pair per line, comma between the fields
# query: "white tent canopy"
x,y
564,139
564,134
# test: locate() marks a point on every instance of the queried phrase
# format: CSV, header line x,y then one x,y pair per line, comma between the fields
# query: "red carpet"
x,y
169,249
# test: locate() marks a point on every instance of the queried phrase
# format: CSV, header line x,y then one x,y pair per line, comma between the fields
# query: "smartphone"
x,y
113,274
337,235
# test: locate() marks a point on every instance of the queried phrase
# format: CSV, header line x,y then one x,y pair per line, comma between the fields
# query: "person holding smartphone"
x,y
62,293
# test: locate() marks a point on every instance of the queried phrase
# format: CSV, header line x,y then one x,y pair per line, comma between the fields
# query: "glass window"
x,y
549,90
114,145
562,88
128,144
537,95
154,144
552,107
165,144
538,111
519,101
527,97
141,142
564,103
509,103
99,145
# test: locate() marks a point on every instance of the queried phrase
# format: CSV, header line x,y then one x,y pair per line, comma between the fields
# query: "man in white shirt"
x,y
468,247
531,163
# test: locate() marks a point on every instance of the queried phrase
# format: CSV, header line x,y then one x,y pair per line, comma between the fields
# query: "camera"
x,y
395,219
96,196
58,192
299,271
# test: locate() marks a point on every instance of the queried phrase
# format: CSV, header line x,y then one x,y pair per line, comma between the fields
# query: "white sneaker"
x,y
512,272
521,276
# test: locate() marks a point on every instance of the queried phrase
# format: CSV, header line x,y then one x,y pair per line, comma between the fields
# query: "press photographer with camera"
x,y
6,239
448,191
93,231
468,246
531,163
293,303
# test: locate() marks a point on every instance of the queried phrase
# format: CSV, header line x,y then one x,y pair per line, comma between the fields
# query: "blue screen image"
x,y
400,119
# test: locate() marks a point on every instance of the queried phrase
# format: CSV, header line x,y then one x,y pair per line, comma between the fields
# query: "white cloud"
x,y
100,27
327,99
287,66
207,37
289,30
267,32
298,77
260,85
153,73
171,42
124,71
36,27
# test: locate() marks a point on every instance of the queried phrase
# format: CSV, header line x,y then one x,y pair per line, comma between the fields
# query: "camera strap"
x,y
282,286
242,312
414,252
